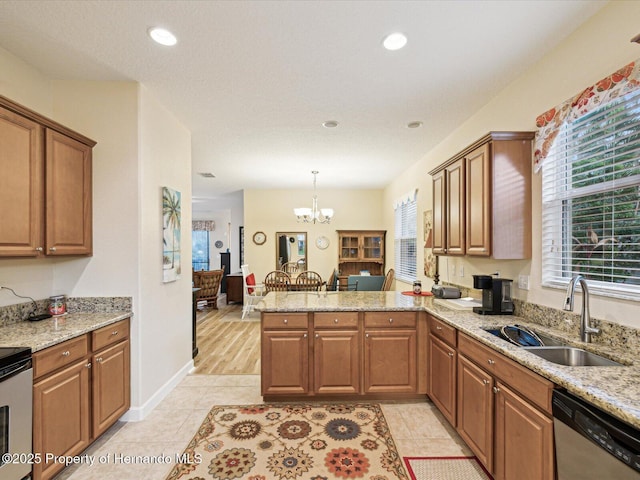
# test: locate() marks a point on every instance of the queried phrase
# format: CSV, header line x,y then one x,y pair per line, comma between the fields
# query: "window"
x,y
200,250
591,201
405,239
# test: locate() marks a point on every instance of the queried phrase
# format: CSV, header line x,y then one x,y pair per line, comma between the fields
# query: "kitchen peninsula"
x,y
385,345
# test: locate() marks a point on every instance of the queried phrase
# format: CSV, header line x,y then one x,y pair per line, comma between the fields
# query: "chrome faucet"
x,y
586,330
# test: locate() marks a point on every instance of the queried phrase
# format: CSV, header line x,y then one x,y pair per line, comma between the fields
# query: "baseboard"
x,y
136,414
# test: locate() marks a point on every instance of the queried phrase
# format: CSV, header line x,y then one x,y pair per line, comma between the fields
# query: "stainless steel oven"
x,y
16,407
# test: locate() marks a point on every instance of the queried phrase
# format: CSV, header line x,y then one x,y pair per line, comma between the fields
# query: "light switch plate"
x,y
523,282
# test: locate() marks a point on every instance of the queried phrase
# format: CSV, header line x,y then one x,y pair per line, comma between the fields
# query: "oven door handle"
x,y
25,366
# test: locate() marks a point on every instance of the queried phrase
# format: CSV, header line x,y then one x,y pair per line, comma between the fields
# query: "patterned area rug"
x,y
445,468
278,441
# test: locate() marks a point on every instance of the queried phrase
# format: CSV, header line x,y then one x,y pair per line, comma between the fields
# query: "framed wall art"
x,y
171,220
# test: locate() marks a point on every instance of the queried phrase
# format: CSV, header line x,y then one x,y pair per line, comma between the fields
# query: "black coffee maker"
x,y
496,295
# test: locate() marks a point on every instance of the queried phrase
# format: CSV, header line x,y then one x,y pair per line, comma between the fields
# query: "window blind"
x,y
405,241
591,201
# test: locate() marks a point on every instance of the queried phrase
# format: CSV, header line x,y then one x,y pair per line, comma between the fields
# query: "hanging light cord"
x,y
35,305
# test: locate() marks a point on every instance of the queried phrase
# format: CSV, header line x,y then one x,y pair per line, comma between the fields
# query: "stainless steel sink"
x,y
571,356
546,340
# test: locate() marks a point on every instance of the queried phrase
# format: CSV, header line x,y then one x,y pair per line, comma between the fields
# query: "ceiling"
x,y
254,80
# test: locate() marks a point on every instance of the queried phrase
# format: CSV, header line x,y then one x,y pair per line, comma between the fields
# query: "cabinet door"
x,y
68,196
61,416
478,201
349,247
110,386
372,248
21,185
285,362
390,362
336,361
439,213
455,201
524,438
442,377
475,410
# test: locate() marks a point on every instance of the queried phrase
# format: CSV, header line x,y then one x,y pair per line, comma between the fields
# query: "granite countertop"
x,y
615,389
43,334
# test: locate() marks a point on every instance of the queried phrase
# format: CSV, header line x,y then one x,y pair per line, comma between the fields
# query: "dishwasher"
x,y
591,444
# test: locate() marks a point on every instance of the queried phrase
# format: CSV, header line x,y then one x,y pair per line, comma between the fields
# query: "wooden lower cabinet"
x,y
523,439
61,416
286,369
336,362
475,410
390,364
442,369
81,387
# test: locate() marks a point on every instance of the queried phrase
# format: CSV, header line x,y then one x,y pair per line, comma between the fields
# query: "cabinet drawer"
x,y
110,334
286,321
65,353
532,386
390,319
443,331
335,320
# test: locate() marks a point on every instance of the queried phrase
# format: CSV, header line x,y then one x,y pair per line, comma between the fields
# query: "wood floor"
x,y
227,347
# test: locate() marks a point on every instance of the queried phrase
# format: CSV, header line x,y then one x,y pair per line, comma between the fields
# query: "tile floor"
x,y
418,429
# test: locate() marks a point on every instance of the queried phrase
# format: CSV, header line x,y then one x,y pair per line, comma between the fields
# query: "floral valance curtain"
x,y
203,225
625,80
410,196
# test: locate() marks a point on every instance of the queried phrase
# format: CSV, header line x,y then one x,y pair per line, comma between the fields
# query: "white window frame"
x,y
558,241
405,238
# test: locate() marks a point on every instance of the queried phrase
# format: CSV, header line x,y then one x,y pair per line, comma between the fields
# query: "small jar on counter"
x,y
58,305
417,287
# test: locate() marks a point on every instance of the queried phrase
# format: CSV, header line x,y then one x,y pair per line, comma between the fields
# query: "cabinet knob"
x,y
486,382
285,321
66,353
115,332
438,327
317,335
304,335
39,249
391,320
450,354
367,335
335,320
52,249
99,359
496,389
88,365
491,362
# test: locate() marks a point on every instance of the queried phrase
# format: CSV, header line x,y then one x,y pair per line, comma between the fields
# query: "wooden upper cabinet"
x,y
21,185
45,187
482,198
68,166
478,201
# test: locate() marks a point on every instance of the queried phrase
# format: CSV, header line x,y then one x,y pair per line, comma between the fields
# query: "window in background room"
x,y
591,200
405,238
200,250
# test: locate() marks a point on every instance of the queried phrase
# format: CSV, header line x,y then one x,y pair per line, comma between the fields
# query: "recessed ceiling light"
x,y
163,36
330,124
414,124
394,41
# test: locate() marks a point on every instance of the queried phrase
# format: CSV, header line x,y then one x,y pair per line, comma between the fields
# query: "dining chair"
x,y
252,292
289,267
388,280
209,284
277,281
308,281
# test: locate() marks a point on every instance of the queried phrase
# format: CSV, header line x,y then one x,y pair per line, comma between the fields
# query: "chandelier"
x,y
314,214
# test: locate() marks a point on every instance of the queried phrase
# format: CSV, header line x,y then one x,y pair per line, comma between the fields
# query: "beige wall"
x,y
271,211
141,147
598,48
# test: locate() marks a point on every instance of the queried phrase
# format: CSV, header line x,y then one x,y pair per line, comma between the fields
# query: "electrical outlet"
x,y
523,282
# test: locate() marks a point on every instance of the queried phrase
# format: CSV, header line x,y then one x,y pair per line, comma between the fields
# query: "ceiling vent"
x,y
207,175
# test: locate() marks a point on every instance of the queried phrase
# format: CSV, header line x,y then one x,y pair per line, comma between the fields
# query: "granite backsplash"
x,y
19,312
